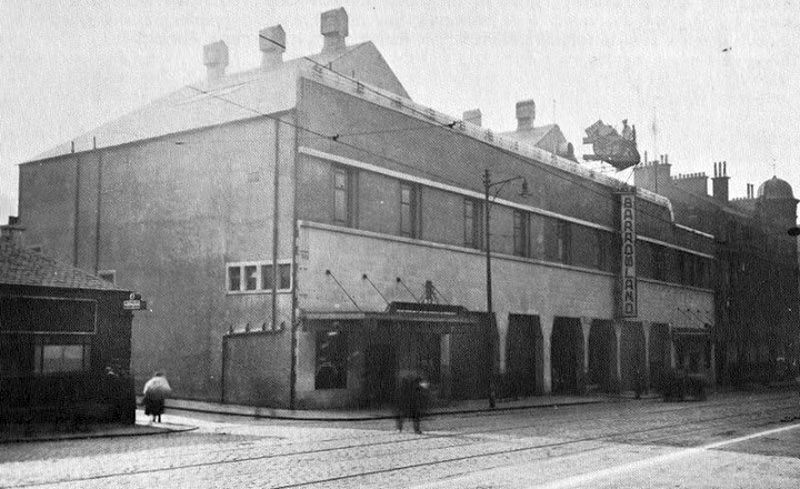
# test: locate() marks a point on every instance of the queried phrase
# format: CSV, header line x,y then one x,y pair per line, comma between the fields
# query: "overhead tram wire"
x,y
337,139
450,125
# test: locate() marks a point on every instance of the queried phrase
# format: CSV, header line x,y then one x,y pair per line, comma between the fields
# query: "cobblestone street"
x,y
619,444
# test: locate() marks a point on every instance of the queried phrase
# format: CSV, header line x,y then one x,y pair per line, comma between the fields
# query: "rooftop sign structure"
x,y
617,150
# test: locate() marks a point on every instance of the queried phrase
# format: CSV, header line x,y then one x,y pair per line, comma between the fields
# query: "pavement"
x,y
16,433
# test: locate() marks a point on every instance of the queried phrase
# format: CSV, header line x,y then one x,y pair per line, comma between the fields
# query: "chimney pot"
x,y
473,116
333,26
272,43
526,113
215,57
13,231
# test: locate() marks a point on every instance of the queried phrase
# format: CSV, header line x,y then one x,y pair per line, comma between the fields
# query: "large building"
x,y
305,232
757,332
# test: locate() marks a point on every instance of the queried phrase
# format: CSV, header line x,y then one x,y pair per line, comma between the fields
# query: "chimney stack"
x,y
473,116
333,25
272,43
13,231
215,57
526,113
719,184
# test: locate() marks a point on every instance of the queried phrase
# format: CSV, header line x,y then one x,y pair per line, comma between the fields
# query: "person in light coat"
x,y
155,391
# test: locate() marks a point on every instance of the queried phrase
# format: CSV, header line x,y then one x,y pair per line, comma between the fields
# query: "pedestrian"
x,y
411,400
155,391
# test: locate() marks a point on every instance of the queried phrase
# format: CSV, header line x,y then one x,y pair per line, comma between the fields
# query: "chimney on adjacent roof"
x,y
473,116
333,25
215,57
526,113
272,43
719,184
13,231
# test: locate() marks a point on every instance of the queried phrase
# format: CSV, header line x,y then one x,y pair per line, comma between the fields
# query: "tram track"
x,y
465,439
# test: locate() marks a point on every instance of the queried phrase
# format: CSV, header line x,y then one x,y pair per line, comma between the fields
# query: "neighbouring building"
x,y
304,232
65,340
757,333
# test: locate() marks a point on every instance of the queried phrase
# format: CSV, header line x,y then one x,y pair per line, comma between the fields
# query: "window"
x,y
284,276
258,277
26,354
536,228
250,277
472,223
234,278
61,358
564,242
343,197
108,275
408,210
521,232
331,362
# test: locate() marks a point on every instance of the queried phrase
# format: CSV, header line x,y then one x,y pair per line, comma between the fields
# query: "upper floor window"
x,y
259,276
472,223
343,197
521,233
563,242
408,210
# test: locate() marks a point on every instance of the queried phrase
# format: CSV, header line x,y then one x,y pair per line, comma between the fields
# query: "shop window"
x,y
29,354
331,362
258,277
60,358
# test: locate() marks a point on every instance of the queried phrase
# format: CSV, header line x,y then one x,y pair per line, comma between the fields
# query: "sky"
x,y
702,81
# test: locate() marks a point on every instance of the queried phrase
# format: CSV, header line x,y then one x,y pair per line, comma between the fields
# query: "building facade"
x,y
305,232
65,341
757,330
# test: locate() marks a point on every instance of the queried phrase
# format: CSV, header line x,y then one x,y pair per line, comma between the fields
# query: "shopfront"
x,y
358,356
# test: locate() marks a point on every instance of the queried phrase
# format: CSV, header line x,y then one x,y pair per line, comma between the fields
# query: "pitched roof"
x,y
19,266
533,135
237,96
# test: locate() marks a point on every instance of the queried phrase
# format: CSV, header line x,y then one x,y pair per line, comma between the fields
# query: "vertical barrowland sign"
x,y
628,303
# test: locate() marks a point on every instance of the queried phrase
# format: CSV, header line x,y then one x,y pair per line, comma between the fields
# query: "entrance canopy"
x,y
396,312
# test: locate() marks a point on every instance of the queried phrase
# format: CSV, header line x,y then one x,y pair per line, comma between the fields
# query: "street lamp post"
x,y
487,186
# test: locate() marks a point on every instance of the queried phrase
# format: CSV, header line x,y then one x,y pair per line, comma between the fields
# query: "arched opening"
x,y
566,356
632,356
660,355
523,354
602,357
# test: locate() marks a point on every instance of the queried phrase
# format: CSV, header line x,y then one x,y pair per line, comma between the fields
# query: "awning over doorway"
x,y
397,312
688,323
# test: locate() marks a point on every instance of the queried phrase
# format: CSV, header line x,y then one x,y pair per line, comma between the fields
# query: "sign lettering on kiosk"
x,y
135,303
628,296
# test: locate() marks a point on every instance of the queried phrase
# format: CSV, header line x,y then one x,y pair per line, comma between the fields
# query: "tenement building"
x,y
304,233
757,326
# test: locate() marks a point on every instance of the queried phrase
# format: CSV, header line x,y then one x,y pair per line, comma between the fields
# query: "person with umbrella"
x,y
155,391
